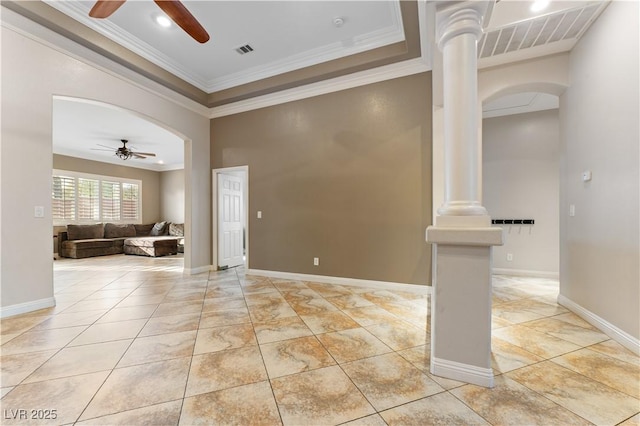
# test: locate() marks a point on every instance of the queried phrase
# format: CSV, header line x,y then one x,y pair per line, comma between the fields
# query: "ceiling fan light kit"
x,y
173,8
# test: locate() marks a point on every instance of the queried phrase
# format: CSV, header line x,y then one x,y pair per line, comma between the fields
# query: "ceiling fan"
x,y
173,8
125,153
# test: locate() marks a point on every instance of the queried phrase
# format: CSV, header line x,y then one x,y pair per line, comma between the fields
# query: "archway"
x,y
521,181
107,123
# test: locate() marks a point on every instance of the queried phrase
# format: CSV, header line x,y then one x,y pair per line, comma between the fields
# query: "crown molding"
x,y
312,57
35,31
375,75
80,13
365,42
426,20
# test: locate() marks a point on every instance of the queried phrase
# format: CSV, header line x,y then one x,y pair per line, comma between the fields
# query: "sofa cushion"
x,y
176,229
84,232
143,230
93,243
158,229
111,230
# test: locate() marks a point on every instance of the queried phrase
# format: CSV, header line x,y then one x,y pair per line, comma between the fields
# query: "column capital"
x,y
460,17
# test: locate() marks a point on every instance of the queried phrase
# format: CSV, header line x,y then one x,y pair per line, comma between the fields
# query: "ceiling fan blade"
x,y
138,156
100,149
105,8
106,146
148,154
184,19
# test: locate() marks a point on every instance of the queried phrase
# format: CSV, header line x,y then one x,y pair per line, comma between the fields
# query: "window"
x,y
79,198
87,199
111,201
130,201
63,198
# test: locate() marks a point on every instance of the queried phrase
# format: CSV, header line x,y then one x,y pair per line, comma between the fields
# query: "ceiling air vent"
x,y
566,25
244,49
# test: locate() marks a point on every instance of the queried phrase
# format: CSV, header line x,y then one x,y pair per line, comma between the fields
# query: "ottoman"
x,y
151,246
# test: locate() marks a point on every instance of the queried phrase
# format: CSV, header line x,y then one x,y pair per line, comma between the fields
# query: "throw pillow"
x,y
176,229
160,228
143,230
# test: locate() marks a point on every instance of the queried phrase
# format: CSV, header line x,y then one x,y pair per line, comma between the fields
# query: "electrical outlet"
x,y
509,257
316,261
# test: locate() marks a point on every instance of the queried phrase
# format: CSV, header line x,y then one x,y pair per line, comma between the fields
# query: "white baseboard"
x,y
526,273
381,285
462,372
198,270
23,308
620,336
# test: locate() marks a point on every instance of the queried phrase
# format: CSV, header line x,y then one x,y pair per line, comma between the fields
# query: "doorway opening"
x,y
230,224
521,181
85,135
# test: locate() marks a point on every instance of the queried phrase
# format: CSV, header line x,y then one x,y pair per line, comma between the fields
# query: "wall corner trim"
x,y
382,285
23,308
462,372
620,336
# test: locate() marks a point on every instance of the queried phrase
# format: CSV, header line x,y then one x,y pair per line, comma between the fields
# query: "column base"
x,y
462,372
461,303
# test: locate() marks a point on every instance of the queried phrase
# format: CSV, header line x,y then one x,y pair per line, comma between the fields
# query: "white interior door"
x,y
230,222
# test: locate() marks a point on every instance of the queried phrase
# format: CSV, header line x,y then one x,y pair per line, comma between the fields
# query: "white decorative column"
x,y
462,236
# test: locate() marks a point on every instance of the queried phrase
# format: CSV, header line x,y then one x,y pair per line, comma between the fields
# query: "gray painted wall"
x,y
521,180
172,196
345,177
599,246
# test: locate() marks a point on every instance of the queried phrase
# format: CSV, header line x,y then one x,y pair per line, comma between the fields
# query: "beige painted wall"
x,y
521,180
600,245
151,189
172,196
345,177
32,73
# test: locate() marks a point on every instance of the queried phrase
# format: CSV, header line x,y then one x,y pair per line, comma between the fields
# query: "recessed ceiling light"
x,y
160,162
163,21
539,5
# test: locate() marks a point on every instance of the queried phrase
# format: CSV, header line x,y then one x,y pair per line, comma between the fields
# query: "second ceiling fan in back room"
x,y
173,8
125,153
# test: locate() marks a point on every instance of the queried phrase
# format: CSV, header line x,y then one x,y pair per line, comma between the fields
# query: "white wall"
x,y
32,73
521,180
172,196
599,247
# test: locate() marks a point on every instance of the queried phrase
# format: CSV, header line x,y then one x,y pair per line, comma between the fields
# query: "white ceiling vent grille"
x,y
244,49
565,25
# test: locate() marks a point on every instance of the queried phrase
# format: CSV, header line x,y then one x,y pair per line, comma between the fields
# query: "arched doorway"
x,y
85,135
521,181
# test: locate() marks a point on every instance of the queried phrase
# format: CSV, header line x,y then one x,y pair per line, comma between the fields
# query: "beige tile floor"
x,y
133,341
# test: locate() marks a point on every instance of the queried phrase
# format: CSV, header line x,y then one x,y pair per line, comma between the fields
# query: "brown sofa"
x,y
81,241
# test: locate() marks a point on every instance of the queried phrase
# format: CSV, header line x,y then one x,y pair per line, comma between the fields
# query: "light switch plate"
x,y
38,211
